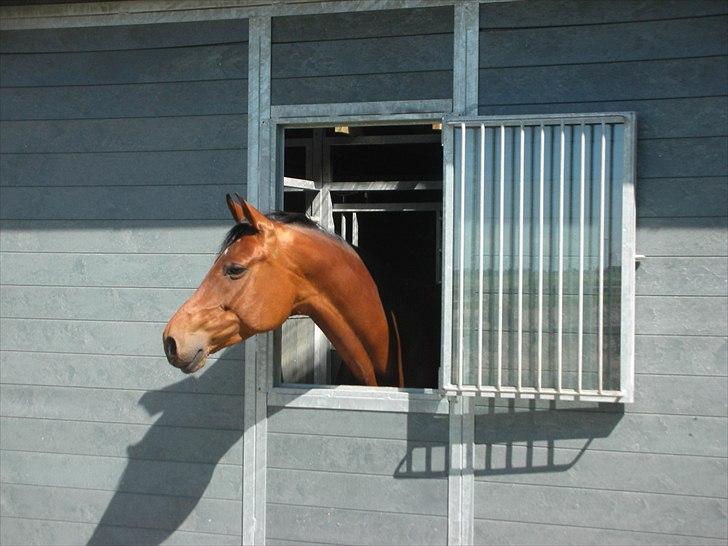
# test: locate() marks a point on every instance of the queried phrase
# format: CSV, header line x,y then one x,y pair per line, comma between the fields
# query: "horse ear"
x,y
256,218
235,207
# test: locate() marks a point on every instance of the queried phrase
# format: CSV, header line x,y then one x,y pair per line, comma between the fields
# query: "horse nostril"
x,y
170,347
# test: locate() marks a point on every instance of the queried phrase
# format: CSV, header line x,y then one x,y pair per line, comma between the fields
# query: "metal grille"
x,y
539,274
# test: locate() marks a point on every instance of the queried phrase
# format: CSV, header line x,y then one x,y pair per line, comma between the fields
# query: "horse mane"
x,y
296,218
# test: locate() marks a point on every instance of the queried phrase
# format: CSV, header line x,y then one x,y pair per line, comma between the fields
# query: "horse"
x,y
277,265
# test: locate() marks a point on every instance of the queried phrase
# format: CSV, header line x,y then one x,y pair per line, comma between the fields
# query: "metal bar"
x,y
600,327
538,119
385,185
363,113
447,255
299,183
582,186
461,287
354,229
384,207
480,256
627,299
343,226
560,342
521,187
500,252
362,140
540,260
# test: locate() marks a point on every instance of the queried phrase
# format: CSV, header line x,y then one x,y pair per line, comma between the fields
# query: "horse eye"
x,y
234,271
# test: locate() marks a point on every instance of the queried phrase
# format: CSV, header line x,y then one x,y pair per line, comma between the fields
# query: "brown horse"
x,y
272,267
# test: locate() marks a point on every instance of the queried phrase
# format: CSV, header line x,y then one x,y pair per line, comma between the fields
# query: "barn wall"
x,y
656,472
117,147
362,57
348,477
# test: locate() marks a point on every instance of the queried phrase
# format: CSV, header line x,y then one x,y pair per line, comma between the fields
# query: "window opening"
x,y
380,189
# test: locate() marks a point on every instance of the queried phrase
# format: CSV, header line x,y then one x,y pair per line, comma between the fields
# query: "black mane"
x,y
241,230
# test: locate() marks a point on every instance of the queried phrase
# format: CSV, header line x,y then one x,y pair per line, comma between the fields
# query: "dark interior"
x,y
400,248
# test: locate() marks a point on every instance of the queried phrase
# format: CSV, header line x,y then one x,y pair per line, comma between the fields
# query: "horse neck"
x,y
342,299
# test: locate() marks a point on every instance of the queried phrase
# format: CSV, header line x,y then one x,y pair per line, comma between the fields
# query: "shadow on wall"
x,y
517,438
173,465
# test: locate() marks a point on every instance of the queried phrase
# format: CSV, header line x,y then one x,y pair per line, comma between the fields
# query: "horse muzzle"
x,y
189,357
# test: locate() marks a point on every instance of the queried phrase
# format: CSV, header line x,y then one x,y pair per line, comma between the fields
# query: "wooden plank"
x,y
357,492
697,316
184,479
365,24
115,101
122,509
68,336
121,406
23,531
680,395
488,531
190,167
335,526
628,41
682,236
683,277
122,372
585,12
363,88
214,62
642,512
378,55
656,118
95,270
146,442
129,236
692,355
675,197
603,470
399,458
124,134
176,205
112,304
604,82
359,424
108,38
638,433
676,157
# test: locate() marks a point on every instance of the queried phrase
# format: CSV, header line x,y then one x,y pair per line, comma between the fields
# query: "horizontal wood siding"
x,y
346,477
653,471
117,146
362,57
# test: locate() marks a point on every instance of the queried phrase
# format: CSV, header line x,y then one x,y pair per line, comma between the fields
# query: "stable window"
x,y
539,238
379,187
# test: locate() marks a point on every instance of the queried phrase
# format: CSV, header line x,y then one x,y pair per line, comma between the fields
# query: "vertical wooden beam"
x,y
462,416
259,349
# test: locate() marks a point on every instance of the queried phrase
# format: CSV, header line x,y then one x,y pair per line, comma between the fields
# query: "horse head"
x,y
249,289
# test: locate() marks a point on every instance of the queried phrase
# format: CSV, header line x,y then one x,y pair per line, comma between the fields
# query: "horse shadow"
x,y
174,463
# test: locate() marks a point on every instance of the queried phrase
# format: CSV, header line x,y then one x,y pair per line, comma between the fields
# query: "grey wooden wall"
x,y
655,474
362,57
356,477
117,148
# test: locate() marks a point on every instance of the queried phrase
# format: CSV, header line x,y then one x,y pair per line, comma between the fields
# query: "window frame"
x,y
628,256
344,397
